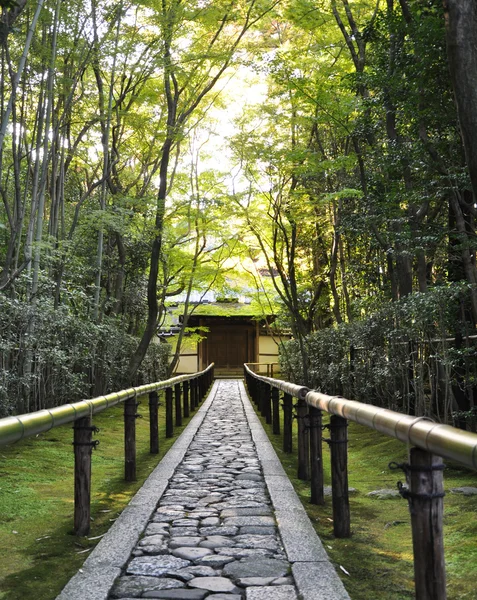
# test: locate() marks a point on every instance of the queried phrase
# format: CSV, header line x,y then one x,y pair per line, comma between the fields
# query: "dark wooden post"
x,y
287,423
201,384
276,411
268,403
169,416
153,423
262,400
303,440
426,504
83,446
186,398
316,456
178,405
193,385
339,476
130,406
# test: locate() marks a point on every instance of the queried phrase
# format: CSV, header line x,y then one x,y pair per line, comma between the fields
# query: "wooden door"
x,y
228,346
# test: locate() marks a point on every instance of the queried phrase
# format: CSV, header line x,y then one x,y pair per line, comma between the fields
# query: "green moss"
x,y
253,310
40,552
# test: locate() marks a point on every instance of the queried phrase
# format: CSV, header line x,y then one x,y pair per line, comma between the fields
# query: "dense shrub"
x,y
415,355
51,356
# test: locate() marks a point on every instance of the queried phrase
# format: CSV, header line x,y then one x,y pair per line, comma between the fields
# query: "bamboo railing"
x,y
184,392
428,441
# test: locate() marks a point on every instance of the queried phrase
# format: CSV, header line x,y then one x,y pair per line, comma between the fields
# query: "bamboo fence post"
x,y
316,456
287,423
153,423
276,411
130,406
169,415
178,405
339,475
83,447
303,440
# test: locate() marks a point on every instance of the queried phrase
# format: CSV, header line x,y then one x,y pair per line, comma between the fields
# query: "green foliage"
x,y
65,357
403,357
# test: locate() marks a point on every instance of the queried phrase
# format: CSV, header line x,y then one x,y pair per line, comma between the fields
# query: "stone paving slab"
x,y
217,519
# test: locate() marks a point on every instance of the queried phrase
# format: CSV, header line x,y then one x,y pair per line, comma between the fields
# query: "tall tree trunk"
x,y
461,28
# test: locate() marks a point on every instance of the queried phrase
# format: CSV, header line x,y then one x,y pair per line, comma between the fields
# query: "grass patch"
x,y
379,556
40,551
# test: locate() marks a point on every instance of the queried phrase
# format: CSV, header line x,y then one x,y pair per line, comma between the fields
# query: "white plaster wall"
x,y
187,364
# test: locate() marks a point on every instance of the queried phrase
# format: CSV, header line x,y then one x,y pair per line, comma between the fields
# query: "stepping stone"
x,y
133,587
284,592
150,540
250,477
191,554
245,552
197,571
257,567
268,542
182,594
224,597
217,541
250,521
254,530
183,541
216,561
246,512
256,581
384,494
222,530
155,566
213,584
465,490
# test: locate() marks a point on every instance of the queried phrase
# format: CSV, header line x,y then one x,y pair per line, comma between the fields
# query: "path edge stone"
x,y
315,576
96,577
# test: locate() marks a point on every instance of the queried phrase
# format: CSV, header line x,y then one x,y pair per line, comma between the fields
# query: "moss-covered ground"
x,y
376,562
39,552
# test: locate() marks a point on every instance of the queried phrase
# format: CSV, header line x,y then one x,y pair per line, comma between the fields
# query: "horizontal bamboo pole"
x,y
444,440
13,429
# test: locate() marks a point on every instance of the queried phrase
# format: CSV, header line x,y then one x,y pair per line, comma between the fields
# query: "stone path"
x,y
213,534
217,519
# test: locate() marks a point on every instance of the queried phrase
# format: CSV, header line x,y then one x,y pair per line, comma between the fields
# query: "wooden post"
x,y
276,411
287,424
169,417
130,439
268,403
192,394
316,456
339,476
83,446
426,504
195,383
262,398
186,398
153,423
303,440
178,406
